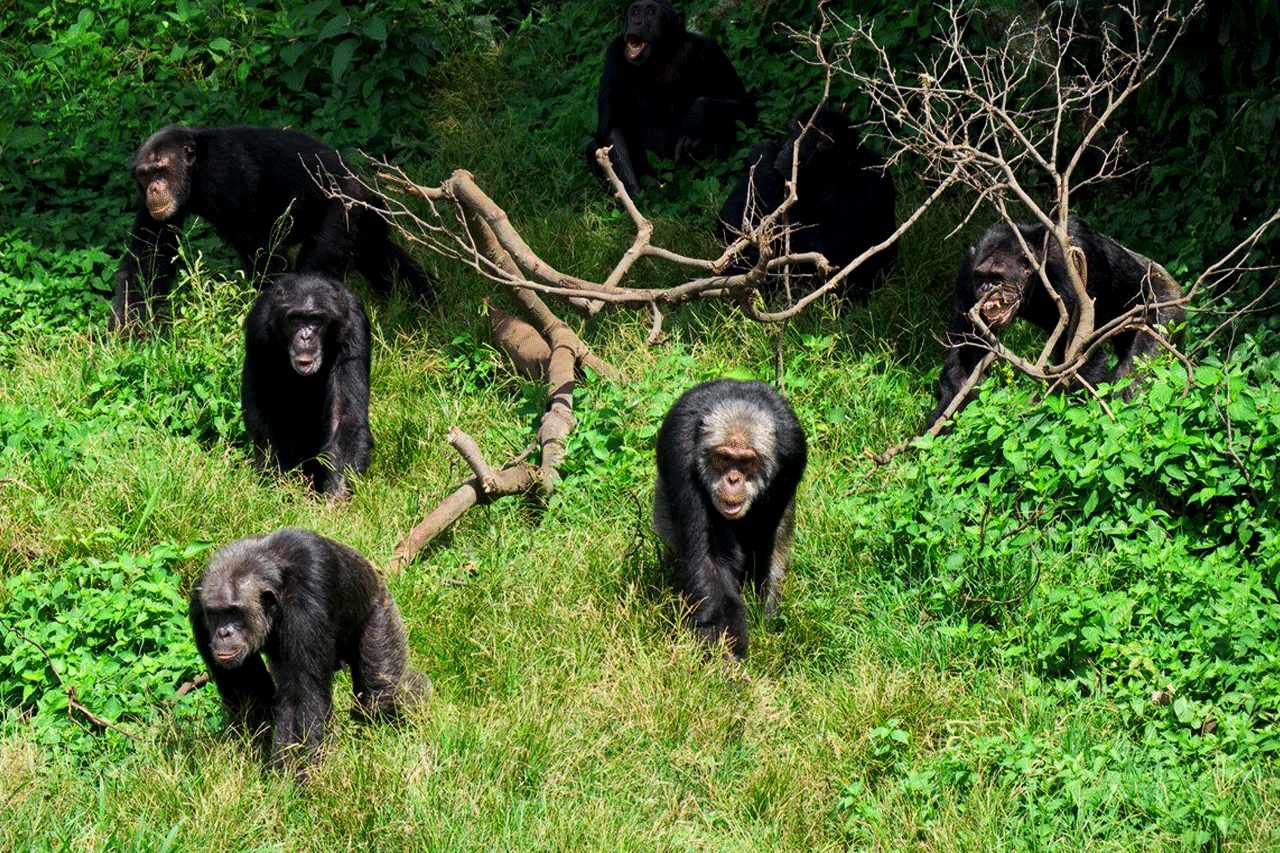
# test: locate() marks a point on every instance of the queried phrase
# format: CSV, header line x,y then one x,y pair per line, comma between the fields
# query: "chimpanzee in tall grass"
x,y
242,180
845,198
309,604
730,455
304,391
665,90
999,277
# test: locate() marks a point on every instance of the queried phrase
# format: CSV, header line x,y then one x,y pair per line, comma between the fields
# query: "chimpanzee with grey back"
x,y
730,456
309,605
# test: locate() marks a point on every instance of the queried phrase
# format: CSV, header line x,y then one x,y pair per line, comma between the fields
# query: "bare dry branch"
x,y
448,222
556,359
1015,123
963,394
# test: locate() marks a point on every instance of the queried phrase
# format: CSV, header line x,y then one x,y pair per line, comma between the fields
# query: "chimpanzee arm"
x,y
146,269
614,102
963,353
256,387
778,560
247,690
711,558
713,593
709,583
758,192
307,654
710,122
348,442
960,362
623,163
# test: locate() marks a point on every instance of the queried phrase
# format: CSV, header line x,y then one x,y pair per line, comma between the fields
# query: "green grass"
x,y
571,710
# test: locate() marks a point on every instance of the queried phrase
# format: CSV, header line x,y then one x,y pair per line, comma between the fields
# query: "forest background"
x,y
1047,630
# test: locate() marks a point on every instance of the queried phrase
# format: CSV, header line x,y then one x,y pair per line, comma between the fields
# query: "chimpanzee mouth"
x,y
635,47
306,366
162,211
999,308
729,510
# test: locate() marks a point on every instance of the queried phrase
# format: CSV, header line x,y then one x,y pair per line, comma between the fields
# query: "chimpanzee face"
x,y
239,602
302,328
649,23
737,441
306,340
229,637
238,625
163,175
1000,280
735,468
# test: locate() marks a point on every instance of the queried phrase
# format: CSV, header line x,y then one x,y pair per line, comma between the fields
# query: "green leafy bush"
x,y
48,291
109,634
1133,556
87,85
49,446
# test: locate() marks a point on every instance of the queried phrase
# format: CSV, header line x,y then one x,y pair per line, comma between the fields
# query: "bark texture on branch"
x,y
546,347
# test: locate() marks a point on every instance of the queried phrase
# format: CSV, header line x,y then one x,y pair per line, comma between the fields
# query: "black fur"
x,y
845,200
292,417
717,555
1118,279
680,98
242,180
308,604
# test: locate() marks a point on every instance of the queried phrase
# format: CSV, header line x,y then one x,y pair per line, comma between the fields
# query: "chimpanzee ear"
x,y
189,153
268,599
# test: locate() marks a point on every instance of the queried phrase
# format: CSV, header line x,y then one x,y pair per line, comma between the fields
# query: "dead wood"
x,y
547,347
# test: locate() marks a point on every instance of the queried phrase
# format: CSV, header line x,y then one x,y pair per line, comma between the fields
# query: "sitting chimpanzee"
x,y
310,605
305,386
1002,281
665,90
243,180
844,201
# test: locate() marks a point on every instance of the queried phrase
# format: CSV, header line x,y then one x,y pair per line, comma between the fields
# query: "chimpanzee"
x,y
845,198
730,455
665,90
310,605
243,180
304,390
1002,280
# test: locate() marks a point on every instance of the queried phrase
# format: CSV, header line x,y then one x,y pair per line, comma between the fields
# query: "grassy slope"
x,y
571,712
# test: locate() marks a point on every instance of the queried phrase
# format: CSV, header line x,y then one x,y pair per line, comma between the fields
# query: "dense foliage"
x,y
1055,627
88,84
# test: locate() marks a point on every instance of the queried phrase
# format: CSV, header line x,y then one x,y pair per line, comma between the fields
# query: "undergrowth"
x,y
1053,628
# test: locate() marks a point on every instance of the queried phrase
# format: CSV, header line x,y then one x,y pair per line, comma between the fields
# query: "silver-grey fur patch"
x,y
753,423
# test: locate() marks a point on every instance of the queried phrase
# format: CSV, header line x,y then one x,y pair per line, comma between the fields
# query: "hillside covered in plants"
x,y
1054,626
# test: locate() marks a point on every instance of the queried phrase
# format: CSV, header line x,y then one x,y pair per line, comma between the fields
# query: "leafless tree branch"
x,y
1013,122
